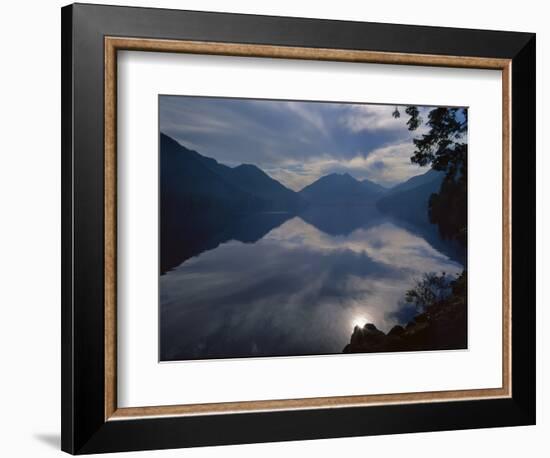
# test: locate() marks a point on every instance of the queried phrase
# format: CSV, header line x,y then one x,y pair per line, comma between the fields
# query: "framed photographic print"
x,y
281,228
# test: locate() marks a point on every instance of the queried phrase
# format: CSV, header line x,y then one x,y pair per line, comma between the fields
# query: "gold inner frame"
x,y
114,44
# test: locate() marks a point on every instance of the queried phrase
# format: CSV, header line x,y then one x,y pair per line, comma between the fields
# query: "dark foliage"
x,y
414,117
445,148
430,289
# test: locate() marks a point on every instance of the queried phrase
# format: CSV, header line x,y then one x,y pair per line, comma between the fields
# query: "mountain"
x,y
340,189
204,203
190,181
429,177
375,188
409,200
256,181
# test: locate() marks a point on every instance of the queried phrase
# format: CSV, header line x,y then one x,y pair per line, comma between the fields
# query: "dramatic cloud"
x,y
387,166
295,142
390,164
371,118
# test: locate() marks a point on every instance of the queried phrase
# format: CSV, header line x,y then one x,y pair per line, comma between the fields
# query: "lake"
x,y
277,284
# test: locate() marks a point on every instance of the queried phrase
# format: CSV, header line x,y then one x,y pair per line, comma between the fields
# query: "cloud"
x,y
295,180
307,114
295,142
391,164
358,118
388,165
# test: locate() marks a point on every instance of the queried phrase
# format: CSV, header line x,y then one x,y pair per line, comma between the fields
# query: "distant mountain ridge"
x,y
341,189
410,200
204,203
375,188
418,180
190,180
256,181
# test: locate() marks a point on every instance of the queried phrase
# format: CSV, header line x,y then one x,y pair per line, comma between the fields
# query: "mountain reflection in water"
x,y
278,284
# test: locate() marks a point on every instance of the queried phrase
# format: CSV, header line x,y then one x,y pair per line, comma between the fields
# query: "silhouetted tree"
x,y
444,147
430,289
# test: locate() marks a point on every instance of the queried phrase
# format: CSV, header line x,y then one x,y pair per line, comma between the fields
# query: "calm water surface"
x,y
300,288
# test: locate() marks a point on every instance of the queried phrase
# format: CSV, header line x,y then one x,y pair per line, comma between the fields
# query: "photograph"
x,y
275,229
297,228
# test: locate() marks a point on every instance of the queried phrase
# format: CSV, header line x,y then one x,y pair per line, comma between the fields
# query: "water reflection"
x,y
298,289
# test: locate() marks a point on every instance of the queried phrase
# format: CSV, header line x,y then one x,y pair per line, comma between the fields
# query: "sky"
x,y
296,142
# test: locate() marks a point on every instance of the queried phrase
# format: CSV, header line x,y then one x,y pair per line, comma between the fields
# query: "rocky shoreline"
x,y
441,326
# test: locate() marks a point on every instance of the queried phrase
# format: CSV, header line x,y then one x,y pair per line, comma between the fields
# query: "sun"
x,y
359,320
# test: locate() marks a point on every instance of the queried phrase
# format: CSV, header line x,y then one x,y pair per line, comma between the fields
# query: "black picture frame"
x,y
84,427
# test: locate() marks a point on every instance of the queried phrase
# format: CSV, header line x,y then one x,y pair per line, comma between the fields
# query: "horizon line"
x,y
285,186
